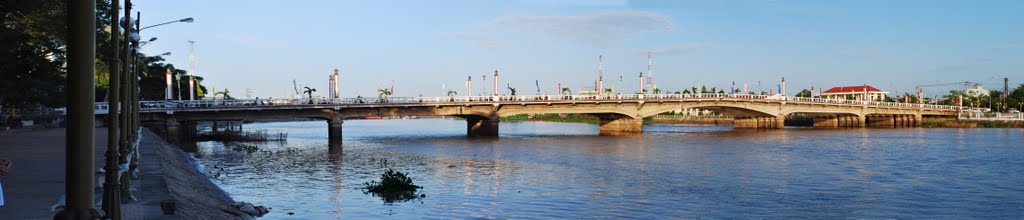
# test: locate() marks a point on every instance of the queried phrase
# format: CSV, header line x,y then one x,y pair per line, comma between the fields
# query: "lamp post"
x,y
184,20
111,186
81,47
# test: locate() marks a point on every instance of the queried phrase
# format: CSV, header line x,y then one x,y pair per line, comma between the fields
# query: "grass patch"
x,y
990,124
393,186
933,124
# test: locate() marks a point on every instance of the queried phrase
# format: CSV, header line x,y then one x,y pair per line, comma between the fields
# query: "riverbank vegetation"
x,y
573,118
971,124
241,136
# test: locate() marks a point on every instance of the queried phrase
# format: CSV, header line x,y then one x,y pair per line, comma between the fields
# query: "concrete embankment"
x,y
195,196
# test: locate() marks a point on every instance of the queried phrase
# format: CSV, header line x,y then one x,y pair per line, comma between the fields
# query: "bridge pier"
x,y
828,122
334,130
173,130
620,125
882,121
759,122
481,127
918,119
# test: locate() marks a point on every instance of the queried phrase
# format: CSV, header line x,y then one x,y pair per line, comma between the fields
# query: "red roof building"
x,y
854,92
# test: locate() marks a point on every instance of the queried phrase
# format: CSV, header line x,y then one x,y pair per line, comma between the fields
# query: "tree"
x,y
566,91
153,80
452,93
804,93
608,90
1016,97
224,95
703,89
656,91
686,91
309,91
950,98
382,93
512,91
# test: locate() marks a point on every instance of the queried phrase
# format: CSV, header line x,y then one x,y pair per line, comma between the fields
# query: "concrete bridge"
x,y
618,114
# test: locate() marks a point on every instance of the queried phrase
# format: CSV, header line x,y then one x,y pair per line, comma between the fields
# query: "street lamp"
x,y
184,20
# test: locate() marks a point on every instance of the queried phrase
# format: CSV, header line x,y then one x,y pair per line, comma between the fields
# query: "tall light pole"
x,y
111,186
81,32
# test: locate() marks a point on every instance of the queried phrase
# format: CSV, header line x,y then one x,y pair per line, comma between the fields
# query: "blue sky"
x,y
422,45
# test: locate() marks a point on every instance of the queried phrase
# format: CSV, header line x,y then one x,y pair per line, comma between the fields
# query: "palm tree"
x,y
686,91
452,93
513,91
224,95
383,93
566,91
309,91
657,91
608,90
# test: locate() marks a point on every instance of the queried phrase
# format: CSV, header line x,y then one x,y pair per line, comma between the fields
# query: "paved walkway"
x,y
36,178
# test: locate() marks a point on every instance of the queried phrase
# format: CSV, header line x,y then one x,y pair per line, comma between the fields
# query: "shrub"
x,y
393,186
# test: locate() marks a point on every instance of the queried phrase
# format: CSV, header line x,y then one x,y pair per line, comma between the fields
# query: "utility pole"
x,y
81,54
1006,93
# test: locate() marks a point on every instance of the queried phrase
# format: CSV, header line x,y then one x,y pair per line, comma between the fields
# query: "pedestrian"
x,y
5,165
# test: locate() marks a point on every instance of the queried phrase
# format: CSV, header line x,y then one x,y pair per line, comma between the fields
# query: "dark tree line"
x,y
32,61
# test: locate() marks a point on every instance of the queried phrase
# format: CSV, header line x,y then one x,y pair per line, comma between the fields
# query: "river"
x,y
544,170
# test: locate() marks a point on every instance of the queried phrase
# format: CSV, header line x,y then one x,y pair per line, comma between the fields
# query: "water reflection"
x,y
563,170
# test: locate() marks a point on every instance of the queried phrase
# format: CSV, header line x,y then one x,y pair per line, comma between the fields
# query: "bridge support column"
x,y
334,130
481,127
173,129
621,125
759,122
882,121
829,122
900,121
918,119
780,122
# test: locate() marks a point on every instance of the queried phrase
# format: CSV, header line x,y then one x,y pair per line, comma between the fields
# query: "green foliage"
x,y
393,186
992,124
804,93
572,118
933,124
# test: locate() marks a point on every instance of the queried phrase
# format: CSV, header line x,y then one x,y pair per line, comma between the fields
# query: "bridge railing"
x,y
170,105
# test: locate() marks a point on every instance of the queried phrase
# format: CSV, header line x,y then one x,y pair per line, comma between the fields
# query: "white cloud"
x,y
598,28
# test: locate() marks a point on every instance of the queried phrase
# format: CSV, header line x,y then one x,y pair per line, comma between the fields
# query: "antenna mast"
x,y
650,76
600,74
